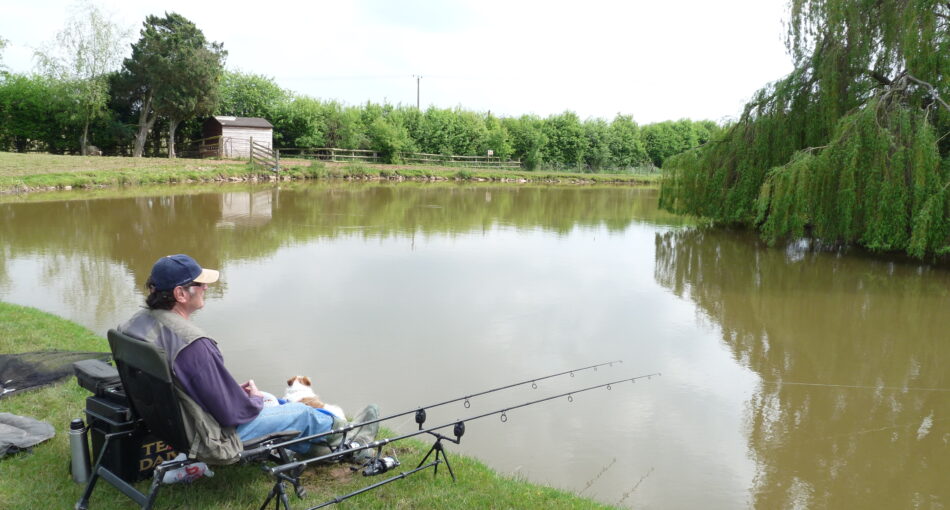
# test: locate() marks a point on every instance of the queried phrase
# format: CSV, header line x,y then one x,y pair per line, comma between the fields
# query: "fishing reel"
x,y
349,445
379,465
345,453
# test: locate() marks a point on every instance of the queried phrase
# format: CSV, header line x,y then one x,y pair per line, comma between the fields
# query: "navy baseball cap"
x,y
174,270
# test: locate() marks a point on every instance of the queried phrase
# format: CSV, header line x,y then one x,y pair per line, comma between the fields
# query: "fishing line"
x,y
855,386
598,475
908,425
632,490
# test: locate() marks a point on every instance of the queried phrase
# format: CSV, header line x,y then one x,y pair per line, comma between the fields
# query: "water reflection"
x,y
254,222
853,405
246,209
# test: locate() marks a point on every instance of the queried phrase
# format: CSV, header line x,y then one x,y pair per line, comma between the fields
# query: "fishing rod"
x,y
379,465
419,411
458,424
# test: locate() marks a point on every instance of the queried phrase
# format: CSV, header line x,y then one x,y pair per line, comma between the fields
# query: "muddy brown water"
x,y
791,379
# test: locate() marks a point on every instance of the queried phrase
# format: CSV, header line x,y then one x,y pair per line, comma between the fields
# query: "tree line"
x,y
87,97
851,148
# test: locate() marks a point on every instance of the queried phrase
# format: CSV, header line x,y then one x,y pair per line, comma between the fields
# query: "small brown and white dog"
x,y
299,389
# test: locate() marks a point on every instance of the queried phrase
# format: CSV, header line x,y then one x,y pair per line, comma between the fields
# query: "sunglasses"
x,y
195,284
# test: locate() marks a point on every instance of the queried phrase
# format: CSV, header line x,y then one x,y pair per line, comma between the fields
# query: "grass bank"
x,y
43,172
40,479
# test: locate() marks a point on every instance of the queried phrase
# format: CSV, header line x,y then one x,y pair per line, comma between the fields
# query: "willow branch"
x,y
883,80
933,91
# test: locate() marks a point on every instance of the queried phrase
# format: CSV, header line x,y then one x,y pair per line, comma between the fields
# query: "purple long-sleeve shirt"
x,y
199,368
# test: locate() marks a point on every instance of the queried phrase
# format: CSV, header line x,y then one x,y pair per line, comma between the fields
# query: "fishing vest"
x,y
209,441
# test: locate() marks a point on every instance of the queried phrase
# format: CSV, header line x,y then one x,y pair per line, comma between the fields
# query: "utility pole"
x,y
417,77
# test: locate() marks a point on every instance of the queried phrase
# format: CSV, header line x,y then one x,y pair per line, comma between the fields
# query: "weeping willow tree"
x,y
851,148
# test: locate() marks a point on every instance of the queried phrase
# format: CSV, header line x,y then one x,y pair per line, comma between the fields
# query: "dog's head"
x,y
298,389
299,380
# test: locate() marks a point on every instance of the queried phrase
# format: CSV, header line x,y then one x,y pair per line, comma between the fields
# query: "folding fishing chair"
x,y
147,380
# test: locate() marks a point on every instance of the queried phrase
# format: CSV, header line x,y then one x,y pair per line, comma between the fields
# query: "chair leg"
x,y
157,476
144,501
83,503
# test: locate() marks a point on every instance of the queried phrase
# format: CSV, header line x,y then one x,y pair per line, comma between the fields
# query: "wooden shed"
x,y
236,134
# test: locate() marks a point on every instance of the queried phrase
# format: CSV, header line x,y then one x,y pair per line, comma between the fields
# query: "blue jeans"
x,y
293,416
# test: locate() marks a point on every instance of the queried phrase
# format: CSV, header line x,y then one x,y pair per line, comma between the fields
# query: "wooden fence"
x,y
332,154
422,158
203,148
417,158
265,156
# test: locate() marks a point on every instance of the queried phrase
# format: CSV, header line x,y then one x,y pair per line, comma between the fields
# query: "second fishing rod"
x,y
379,465
458,425
420,411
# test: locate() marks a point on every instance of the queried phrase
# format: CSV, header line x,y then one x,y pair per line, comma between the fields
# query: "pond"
x,y
790,378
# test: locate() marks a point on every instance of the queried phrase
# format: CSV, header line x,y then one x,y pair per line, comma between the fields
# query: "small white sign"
x,y
491,152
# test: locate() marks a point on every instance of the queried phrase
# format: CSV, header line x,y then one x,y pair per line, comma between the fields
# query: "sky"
x,y
653,60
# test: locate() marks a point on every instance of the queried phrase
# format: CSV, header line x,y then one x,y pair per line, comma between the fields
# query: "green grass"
x,y
31,172
40,479
34,172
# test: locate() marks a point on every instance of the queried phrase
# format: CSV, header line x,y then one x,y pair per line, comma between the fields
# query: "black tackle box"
x,y
134,455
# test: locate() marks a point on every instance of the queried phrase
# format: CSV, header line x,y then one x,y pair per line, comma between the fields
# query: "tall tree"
x,y
390,138
250,95
527,139
626,145
667,138
32,114
852,147
597,155
301,123
566,141
174,72
498,139
86,50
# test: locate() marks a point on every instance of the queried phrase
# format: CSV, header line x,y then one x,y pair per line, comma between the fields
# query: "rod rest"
x,y
264,446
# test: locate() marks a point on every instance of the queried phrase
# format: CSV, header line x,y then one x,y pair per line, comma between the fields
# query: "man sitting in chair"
x,y
218,412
